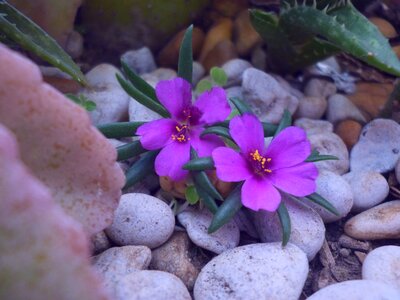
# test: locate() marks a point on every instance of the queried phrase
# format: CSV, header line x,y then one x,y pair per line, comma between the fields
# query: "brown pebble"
x,y
344,252
360,255
384,27
222,52
245,36
64,85
349,131
349,242
229,8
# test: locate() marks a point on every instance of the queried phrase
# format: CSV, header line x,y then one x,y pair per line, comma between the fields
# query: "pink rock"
x,y
43,252
59,144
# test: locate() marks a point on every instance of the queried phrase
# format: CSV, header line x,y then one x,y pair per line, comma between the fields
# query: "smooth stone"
x,y
337,191
311,107
349,131
331,144
117,262
369,189
222,52
74,45
196,223
246,37
154,285
357,290
234,69
139,112
317,87
307,227
234,91
379,222
174,257
141,219
255,271
265,95
378,148
341,108
382,264
259,58
99,242
198,72
314,126
141,60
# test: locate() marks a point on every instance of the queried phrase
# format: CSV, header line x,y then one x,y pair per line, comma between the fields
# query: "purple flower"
x,y
265,170
183,129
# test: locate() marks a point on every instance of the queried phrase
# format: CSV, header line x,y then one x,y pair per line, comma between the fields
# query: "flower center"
x,y
259,163
191,115
181,133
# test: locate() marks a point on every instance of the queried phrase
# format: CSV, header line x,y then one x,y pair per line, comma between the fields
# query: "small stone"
x,y
337,191
378,148
340,108
382,264
154,285
330,144
140,113
196,223
198,72
246,37
234,70
397,171
174,257
348,242
256,271
344,252
99,242
141,219
234,91
311,107
118,262
307,227
265,95
161,74
369,189
349,131
141,60
220,54
74,45
361,256
314,126
259,58
64,85
319,88
379,222
384,27
358,289
229,8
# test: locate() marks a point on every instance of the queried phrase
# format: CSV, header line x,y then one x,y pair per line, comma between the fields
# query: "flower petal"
x,y
297,180
175,95
156,134
248,133
289,148
230,165
213,105
170,160
204,145
258,193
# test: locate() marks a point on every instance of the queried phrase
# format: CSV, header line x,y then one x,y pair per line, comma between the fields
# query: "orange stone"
x,y
349,131
245,36
384,27
220,54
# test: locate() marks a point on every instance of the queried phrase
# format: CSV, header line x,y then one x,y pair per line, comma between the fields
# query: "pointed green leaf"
x,y
142,98
191,195
208,201
227,210
203,85
217,130
185,63
286,121
241,106
130,150
140,169
199,164
269,129
31,37
219,76
119,129
321,201
284,219
315,156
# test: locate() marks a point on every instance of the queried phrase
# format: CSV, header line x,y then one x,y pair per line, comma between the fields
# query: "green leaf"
x,y
89,105
140,169
219,76
119,129
191,195
142,98
203,85
284,219
321,201
217,130
31,37
208,201
315,156
138,82
269,129
199,164
286,121
241,106
130,150
227,210
83,101
185,63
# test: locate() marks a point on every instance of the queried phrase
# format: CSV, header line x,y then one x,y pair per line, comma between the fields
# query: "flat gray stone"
x,y
314,126
341,108
234,69
317,87
311,107
140,60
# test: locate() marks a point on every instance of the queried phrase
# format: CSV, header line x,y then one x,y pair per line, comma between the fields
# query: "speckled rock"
x,y
234,91
369,189
337,191
141,219
308,230
198,72
340,108
317,87
139,112
311,107
154,285
99,242
378,148
314,126
140,60
196,223
331,144
379,222
234,70
256,271
358,289
266,96
382,264
118,262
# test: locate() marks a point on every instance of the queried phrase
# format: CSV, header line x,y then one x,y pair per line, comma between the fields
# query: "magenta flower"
x,y
265,170
176,135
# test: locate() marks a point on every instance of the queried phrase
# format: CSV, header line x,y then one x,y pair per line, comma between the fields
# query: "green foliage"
x,y
140,169
284,220
119,129
185,62
315,156
83,101
203,85
321,201
286,121
219,76
130,150
20,29
191,195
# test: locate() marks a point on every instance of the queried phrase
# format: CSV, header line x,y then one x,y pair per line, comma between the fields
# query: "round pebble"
x,y
256,271
311,107
317,87
340,108
349,131
314,126
234,70
383,264
369,189
141,219
196,223
99,242
141,60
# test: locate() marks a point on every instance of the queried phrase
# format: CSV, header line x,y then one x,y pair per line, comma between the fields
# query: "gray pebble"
x,y
314,126
341,108
140,60
311,107
234,69
317,87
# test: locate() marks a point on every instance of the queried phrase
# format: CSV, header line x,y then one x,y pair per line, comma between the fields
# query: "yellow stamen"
x,y
256,156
